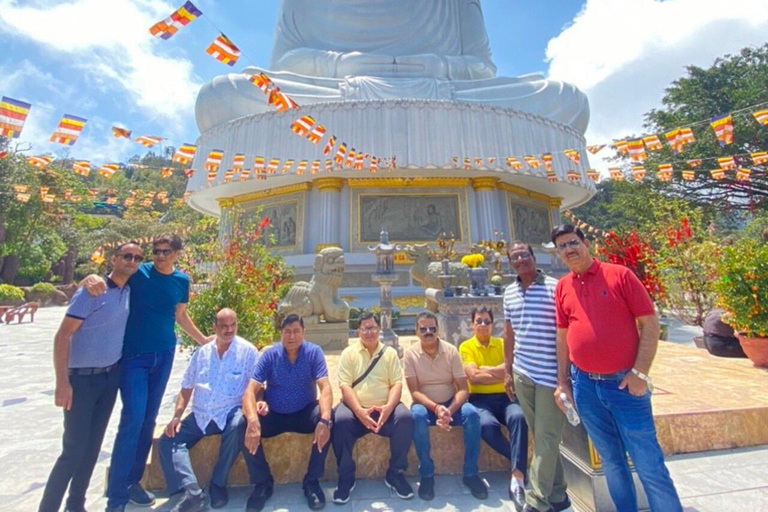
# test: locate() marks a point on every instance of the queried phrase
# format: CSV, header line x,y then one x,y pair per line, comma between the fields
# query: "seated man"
x,y
290,373
438,386
370,377
719,338
483,358
215,380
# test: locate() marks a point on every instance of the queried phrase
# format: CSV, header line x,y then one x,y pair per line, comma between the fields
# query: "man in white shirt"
x,y
216,378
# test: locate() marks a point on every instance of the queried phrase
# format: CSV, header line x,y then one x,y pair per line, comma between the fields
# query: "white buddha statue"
x,y
338,50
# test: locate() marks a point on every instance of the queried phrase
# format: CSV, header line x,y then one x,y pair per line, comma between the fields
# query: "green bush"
x,y
10,292
743,286
44,288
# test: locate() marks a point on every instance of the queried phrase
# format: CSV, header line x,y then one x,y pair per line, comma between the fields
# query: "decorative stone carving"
x,y
319,297
426,272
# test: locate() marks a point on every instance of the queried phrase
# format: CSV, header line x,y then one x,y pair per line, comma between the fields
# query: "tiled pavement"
x,y
30,434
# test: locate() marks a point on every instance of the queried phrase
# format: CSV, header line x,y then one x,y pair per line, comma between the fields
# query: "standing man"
x,y
160,297
530,357
483,358
290,372
215,380
438,387
86,357
371,381
607,335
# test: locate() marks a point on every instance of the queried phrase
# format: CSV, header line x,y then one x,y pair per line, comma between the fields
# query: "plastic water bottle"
x,y
570,410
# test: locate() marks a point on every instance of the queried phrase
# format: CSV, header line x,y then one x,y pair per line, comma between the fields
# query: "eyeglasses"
x,y
138,258
570,243
424,330
483,321
164,252
372,328
520,256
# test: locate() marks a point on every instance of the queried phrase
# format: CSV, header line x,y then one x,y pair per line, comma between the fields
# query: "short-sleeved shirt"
x,y
374,389
472,351
218,383
153,311
599,308
436,374
290,387
98,342
531,313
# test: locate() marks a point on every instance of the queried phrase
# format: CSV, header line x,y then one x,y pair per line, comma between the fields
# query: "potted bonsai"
x,y
743,292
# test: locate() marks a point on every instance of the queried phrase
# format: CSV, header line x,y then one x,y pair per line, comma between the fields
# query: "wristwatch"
x,y
647,378
327,423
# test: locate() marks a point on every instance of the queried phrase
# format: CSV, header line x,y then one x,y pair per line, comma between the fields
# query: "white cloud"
x,y
624,53
110,42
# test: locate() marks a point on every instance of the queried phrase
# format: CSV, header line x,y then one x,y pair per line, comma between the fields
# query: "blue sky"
x,y
96,59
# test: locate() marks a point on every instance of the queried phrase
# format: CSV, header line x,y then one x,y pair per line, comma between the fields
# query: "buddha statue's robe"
x,y
338,50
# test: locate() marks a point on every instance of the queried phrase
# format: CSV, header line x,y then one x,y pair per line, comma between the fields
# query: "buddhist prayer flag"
x,y
148,141
214,159
616,174
329,146
552,176
303,125
718,174
742,174
359,165
40,162
491,160
20,189
467,163
328,165
573,155
129,201
112,200
374,164
723,127
273,165
262,81
694,163
4,154
761,116
317,134
286,166
686,135
547,158
245,174
596,148
637,150
258,164
44,191
622,146
315,167
119,133
350,158
238,162
13,113
532,161
478,161
228,176
341,153
593,174
665,172
281,101
638,172
69,130
689,175
727,163
224,50
675,140
108,170
181,17
185,154
48,198
93,191
301,167
189,172
67,194
759,157
22,198
82,167
212,175
572,175
166,172
514,163
652,142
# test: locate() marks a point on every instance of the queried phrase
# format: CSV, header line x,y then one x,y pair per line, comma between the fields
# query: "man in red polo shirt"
x,y
607,335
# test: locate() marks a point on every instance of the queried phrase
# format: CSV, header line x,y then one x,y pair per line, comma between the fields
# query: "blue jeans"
x,y
494,410
142,385
618,422
469,421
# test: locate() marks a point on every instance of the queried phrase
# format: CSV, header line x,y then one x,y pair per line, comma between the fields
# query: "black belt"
x,y
92,371
604,376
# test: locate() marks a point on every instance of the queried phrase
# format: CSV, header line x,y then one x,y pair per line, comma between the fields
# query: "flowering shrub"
x,y
743,286
638,256
473,260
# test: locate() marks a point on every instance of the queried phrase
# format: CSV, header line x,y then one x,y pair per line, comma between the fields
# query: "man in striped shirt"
x,y
530,359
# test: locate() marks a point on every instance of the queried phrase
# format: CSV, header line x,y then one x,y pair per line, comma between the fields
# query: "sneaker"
x,y
315,495
342,492
476,486
561,505
398,483
139,497
219,496
261,493
191,503
517,495
427,488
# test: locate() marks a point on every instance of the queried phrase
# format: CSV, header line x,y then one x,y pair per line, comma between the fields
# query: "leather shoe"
x,y
315,495
561,505
517,495
219,496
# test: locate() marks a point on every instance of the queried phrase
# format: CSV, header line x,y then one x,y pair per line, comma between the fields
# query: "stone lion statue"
x,y
319,296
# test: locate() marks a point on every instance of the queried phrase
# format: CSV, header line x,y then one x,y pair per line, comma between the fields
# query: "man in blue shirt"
x,y
160,297
291,372
86,356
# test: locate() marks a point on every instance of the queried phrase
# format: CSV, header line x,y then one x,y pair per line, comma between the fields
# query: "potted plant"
x,y
743,292
477,274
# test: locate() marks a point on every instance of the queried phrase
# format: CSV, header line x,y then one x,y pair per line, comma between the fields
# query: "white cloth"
x,y
218,384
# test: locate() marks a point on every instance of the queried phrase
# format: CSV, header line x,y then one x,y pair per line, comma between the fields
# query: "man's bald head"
x,y
226,325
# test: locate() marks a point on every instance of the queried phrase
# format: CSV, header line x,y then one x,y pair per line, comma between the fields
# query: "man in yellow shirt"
x,y
483,359
371,382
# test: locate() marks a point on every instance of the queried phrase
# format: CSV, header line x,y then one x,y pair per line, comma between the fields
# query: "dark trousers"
x,y
497,409
174,451
273,424
721,346
347,429
93,398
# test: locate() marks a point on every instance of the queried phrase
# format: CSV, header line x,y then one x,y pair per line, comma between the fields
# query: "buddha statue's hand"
x,y
364,64
424,65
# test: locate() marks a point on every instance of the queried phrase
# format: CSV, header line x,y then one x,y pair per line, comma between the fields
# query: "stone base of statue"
x,y
583,470
330,336
454,320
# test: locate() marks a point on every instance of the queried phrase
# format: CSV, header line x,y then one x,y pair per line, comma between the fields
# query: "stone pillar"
x,y
556,218
226,220
486,208
329,211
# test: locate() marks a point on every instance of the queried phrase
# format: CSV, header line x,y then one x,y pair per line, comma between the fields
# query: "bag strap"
x,y
370,368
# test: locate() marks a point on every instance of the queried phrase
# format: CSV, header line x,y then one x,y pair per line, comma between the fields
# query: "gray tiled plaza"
x,y
31,426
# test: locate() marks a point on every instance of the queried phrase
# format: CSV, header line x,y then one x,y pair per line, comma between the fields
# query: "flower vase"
x,y
477,277
756,349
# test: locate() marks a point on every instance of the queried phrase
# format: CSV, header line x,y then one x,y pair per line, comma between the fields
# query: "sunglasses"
x,y
372,328
138,258
570,243
164,252
520,256
483,321
424,330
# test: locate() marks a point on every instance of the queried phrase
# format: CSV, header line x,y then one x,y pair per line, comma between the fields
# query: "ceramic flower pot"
x,y
755,348
477,277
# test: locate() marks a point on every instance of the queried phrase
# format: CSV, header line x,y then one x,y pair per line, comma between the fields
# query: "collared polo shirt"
x,y
98,342
290,387
218,383
436,374
599,308
374,389
531,313
472,351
